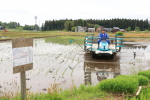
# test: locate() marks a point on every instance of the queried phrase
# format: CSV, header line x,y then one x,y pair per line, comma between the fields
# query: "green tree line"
x,y
16,25
31,27
69,24
10,25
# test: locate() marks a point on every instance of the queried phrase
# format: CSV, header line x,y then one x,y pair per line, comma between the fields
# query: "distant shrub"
x,y
64,30
137,29
119,33
143,81
145,73
73,29
119,85
147,31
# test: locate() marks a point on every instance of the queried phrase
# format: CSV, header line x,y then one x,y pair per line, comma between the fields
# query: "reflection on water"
x,y
68,65
100,71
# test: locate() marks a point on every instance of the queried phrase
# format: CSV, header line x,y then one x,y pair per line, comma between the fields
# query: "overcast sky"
x,y
23,11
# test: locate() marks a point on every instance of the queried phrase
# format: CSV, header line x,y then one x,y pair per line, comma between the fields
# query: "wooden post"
x,y
22,48
23,85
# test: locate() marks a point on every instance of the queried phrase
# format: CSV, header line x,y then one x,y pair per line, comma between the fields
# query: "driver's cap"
x,y
103,29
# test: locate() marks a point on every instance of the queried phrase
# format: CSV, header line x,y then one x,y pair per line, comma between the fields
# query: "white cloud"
x,y
23,11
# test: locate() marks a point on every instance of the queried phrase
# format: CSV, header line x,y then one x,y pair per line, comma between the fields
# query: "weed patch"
x,y
143,81
119,85
145,73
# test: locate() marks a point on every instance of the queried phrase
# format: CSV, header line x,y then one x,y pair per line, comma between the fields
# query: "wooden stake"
x,y
23,85
139,89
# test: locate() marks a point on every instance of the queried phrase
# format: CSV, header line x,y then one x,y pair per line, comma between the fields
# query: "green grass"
x,y
54,96
119,33
82,93
24,33
119,85
144,95
145,73
143,81
66,40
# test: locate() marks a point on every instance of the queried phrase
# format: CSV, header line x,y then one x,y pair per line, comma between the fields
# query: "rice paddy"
x,y
56,61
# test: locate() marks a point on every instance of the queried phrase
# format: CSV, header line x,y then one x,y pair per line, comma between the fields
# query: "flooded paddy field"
x,y
67,65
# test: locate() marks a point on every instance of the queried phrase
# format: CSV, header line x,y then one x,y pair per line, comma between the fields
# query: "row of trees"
x,y
28,27
31,27
69,24
16,25
9,25
53,25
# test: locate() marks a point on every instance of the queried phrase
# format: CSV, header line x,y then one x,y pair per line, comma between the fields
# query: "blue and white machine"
x,y
103,45
103,48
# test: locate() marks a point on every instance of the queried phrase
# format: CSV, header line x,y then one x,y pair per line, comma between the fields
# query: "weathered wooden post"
x,y
22,60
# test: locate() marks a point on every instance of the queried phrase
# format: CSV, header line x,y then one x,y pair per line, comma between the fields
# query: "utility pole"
x,y
35,22
135,24
39,25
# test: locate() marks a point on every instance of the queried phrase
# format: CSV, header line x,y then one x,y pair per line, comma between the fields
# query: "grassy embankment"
x,y
15,34
81,93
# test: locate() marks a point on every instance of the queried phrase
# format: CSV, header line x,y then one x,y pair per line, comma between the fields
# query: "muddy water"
x,y
68,65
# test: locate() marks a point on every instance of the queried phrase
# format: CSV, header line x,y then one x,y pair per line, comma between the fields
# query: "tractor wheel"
x,y
92,54
112,56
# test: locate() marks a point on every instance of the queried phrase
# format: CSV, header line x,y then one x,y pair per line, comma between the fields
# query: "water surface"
x,y
68,65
